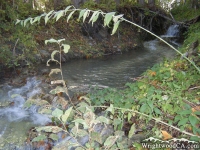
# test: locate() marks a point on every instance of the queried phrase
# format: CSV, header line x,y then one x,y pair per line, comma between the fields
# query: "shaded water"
x,y
115,71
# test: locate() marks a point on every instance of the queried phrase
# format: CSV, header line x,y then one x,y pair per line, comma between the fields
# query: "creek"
x,y
111,71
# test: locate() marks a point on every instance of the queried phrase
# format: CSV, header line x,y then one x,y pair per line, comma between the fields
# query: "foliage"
x,y
20,41
193,34
163,92
184,12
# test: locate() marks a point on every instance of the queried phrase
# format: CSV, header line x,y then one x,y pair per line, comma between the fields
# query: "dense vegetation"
x,y
163,102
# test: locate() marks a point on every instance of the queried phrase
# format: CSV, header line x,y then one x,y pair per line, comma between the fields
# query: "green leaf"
x,y
57,113
95,136
39,138
116,18
132,131
116,123
69,16
59,14
177,118
183,121
93,15
81,121
65,116
110,141
115,27
111,109
66,48
51,41
56,71
61,40
108,18
193,120
47,16
195,138
67,8
150,103
44,110
81,13
18,21
59,89
197,112
103,120
53,137
184,112
157,111
82,133
86,14
53,129
143,108
53,53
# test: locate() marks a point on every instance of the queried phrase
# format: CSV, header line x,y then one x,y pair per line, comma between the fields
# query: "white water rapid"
x,y
15,119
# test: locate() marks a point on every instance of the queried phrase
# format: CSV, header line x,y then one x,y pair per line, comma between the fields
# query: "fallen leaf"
x,y
166,135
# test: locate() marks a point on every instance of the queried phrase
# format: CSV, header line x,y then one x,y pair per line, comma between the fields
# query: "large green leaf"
x,y
81,13
108,18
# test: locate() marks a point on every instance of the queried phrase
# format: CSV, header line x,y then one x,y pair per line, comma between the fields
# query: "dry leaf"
x,y
166,135
197,108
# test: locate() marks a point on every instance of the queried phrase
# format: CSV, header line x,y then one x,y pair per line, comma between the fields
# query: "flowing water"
x,y
112,71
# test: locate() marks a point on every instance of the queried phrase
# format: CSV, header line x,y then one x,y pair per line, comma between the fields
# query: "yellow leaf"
x,y
166,135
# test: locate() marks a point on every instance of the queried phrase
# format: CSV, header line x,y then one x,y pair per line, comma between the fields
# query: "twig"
x,y
197,87
14,47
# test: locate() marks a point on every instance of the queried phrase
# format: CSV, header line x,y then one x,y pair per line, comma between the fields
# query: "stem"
x,y
157,120
198,69
61,73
